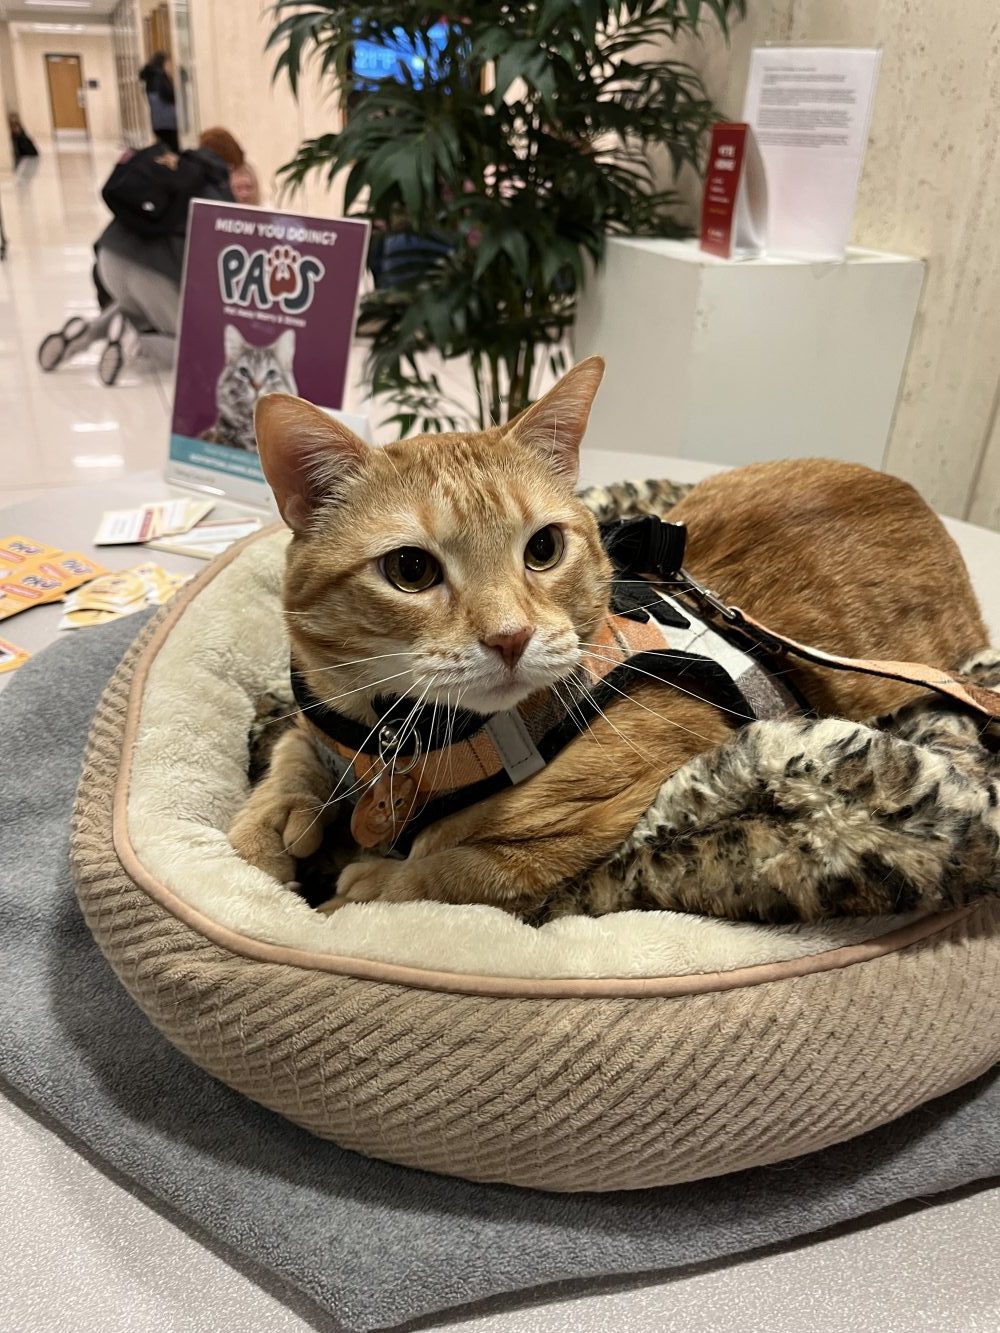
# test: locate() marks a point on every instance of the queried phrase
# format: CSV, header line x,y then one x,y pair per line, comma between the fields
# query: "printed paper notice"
x,y
810,108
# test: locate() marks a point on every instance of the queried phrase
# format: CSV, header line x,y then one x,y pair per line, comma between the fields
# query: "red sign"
x,y
722,187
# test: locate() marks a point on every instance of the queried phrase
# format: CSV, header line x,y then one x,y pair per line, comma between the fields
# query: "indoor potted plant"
x,y
493,147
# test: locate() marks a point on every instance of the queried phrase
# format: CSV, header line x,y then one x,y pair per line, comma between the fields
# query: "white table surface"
x,y
84,1251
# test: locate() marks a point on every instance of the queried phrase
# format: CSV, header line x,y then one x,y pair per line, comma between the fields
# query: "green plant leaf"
x,y
498,197
515,245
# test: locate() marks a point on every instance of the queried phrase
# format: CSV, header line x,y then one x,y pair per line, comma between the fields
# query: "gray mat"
x,y
374,1245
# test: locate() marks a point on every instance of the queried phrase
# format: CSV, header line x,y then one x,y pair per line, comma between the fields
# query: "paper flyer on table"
x,y
810,108
208,539
269,304
160,518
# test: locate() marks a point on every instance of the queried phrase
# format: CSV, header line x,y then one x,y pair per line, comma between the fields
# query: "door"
x,y
66,92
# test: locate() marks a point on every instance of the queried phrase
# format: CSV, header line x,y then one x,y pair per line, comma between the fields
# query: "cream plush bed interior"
x,y
631,1051
187,780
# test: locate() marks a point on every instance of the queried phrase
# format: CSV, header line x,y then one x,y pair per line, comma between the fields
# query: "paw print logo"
x,y
282,265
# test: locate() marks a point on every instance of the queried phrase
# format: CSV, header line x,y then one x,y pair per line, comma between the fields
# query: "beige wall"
x,y
985,507
233,79
8,97
7,77
931,187
96,56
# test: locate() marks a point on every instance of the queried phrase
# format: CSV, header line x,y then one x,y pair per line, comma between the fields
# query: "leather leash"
x,y
949,683
655,547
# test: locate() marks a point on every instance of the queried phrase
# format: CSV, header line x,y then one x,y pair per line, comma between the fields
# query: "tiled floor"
x,y
65,428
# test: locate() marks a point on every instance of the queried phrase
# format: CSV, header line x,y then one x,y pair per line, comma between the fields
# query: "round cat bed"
x,y
621,1052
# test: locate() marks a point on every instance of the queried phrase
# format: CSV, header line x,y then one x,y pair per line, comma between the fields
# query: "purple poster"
x,y
268,306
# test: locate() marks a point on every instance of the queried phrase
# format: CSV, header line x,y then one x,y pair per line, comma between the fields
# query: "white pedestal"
x,y
738,362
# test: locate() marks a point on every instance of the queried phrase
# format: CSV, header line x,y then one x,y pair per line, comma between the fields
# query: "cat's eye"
x,y
244,372
545,548
410,569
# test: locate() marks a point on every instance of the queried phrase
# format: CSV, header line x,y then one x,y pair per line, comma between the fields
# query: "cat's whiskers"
x,y
409,726
427,755
573,708
444,748
383,453
450,722
672,584
593,649
364,782
663,718
458,704
357,661
641,753
646,606
662,652
449,732
599,651
323,703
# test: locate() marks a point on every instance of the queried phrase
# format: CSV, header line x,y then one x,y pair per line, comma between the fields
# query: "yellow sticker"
x,y
11,657
44,574
19,550
113,590
120,594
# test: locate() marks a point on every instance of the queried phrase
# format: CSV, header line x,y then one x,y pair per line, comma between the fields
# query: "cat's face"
x,y
461,565
249,372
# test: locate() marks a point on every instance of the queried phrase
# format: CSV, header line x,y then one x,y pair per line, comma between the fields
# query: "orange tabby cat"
x,y
462,567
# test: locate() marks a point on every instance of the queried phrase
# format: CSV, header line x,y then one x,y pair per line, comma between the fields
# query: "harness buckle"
x,y
710,599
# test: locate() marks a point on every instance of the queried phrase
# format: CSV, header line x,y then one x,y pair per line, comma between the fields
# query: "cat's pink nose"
x,y
510,645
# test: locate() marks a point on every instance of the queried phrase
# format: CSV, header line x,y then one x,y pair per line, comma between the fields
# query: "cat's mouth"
x,y
498,694
486,687
498,698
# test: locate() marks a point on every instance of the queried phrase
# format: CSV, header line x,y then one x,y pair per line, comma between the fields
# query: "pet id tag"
x,y
382,813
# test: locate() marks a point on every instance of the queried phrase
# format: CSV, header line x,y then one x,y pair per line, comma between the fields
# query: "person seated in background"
x,y
142,273
140,253
158,82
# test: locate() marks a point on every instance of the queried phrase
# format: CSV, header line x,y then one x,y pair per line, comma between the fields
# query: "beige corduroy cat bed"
x,y
639,1049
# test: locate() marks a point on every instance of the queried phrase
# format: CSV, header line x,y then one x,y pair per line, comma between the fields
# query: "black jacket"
x,y
165,254
162,99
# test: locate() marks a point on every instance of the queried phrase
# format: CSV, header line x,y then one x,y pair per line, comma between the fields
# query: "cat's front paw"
x,y
375,880
262,846
272,836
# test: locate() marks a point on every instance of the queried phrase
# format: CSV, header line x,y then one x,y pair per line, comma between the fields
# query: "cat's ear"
x,y
232,341
284,349
307,456
555,425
